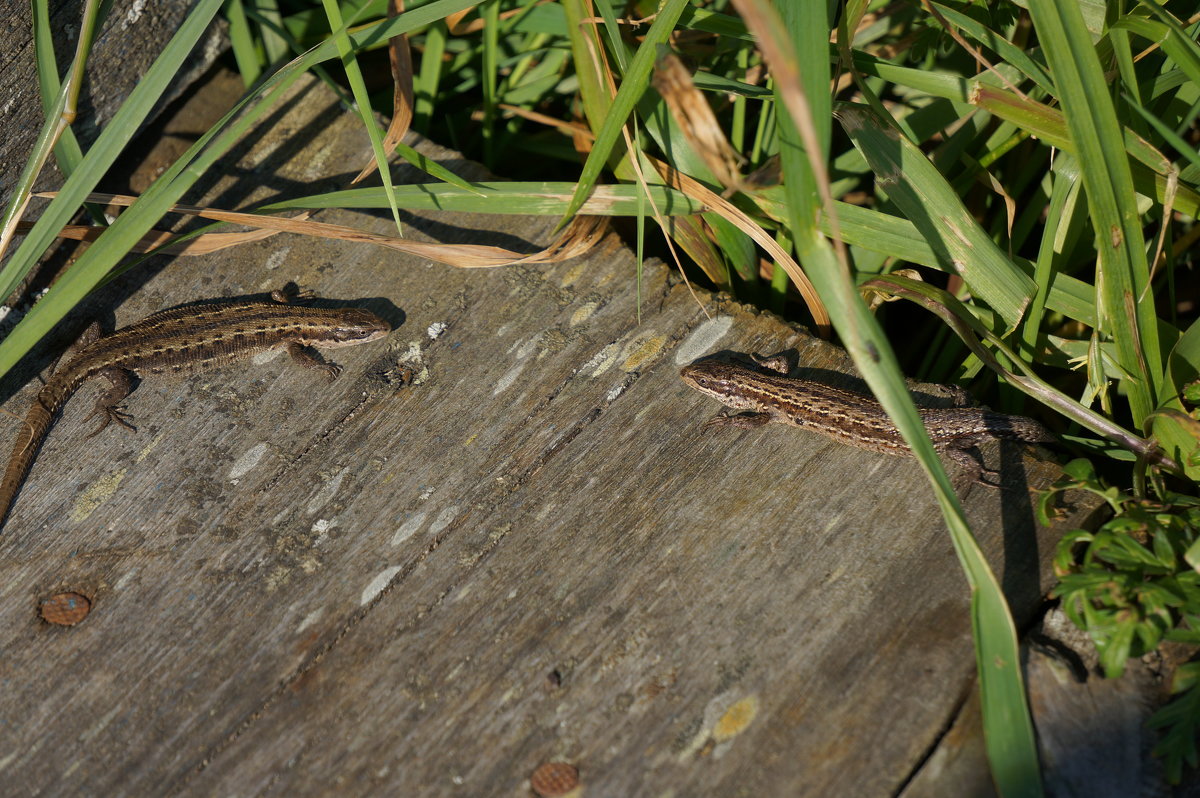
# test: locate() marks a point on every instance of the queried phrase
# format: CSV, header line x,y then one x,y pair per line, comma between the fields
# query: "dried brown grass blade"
x,y
456,26
696,120
454,23
717,204
400,58
203,244
569,128
574,240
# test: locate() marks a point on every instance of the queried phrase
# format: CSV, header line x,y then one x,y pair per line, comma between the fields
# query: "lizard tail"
x,y
37,423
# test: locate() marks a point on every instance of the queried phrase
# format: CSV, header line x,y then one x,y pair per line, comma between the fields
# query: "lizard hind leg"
x,y
108,404
90,335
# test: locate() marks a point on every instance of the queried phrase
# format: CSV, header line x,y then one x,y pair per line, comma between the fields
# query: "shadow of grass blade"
x,y
535,199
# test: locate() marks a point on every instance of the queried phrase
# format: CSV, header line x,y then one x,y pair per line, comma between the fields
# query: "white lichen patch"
x,y
378,584
408,529
702,340
246,463
327,492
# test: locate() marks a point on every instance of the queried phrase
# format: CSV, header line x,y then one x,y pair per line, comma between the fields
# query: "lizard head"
x,y
353,326
711,377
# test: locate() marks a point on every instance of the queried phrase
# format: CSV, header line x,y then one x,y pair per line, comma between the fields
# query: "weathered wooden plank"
x,y
533,553
668,576
1092,731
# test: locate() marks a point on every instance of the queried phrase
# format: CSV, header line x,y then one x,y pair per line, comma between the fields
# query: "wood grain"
x,y
532,554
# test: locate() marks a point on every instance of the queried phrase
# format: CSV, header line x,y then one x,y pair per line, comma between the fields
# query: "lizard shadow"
x,y
1020,558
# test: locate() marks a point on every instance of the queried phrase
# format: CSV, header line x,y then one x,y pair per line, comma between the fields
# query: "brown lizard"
x,y
850,417
184,339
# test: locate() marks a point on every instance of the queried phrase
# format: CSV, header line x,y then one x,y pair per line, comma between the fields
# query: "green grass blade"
x,y
633,84
1016,56
274,43
241,41
490,14
1168,135
1064,196
67,151
42,148
1176,43
899,238
1036,119
60,113
108,146
1097,137
1183,367
937,211
428,77
275,29
1008,730
585,51
363,104
431,168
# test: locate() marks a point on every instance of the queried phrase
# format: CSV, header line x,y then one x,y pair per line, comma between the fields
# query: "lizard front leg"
x,y
747,420
965,452
290,294
302,356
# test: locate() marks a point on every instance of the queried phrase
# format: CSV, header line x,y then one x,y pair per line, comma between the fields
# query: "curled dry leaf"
x,y
874,296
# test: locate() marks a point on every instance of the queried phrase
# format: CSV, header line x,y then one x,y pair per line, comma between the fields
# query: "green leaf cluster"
x,y
1134,584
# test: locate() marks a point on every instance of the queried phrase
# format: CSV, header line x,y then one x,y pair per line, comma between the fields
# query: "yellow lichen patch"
x,y
601,361
574,274
145,452
583,312
736,719
97,494
644,351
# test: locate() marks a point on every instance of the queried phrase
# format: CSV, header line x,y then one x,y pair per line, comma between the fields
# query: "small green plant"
x,y
1133,584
